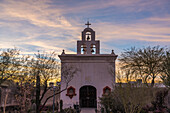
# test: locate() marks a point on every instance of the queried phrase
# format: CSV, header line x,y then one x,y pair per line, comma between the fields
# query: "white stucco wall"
x,y
94,70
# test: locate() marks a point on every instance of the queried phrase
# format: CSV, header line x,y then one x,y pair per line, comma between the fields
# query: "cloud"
x,y
165,19
34,25
104,7
37,12
33,18
138,31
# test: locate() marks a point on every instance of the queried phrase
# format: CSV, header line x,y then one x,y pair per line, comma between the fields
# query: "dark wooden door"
x,y
88,97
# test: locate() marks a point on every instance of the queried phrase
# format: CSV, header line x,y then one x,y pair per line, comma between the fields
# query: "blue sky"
x,y
53,25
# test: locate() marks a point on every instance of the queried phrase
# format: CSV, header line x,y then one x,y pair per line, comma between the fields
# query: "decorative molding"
x,y
72,93
105,88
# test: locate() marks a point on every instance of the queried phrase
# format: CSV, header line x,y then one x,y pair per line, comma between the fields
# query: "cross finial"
x,y
88,24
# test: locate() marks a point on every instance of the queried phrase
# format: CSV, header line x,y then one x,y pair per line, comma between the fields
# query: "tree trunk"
x,y
5,101
153,82
37,93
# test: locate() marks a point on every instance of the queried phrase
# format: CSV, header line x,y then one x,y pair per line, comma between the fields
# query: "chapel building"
x,y
95,76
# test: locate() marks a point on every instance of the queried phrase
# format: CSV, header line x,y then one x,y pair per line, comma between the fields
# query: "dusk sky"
x,y
53,25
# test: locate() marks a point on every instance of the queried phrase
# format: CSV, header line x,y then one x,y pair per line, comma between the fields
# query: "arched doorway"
x,y
87,96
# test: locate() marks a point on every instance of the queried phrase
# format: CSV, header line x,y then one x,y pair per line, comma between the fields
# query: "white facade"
x,y
96,72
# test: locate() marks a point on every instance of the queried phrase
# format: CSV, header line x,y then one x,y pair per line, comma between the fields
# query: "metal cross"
x,y
88,24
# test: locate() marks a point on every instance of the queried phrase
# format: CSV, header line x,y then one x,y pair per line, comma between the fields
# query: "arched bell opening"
x,y
88,36
88,97
93,49
83,49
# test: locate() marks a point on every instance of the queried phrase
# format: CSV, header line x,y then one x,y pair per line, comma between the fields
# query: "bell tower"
x,y
88,44
96,75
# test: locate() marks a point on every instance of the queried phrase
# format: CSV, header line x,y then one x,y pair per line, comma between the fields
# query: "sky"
x,y
54,25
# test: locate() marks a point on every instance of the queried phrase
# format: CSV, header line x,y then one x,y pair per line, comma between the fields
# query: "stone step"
x,y
87,110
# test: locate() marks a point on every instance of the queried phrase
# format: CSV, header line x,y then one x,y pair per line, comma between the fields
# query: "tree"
x,y
123,75
24,93
9,64
158,104
166,69
127,98
40,68
43,68
6,93
68,72
24,86
110,103
144,63
129,61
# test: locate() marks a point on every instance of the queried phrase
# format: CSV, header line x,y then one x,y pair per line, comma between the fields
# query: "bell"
x,y
83,50
92,50
88,38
